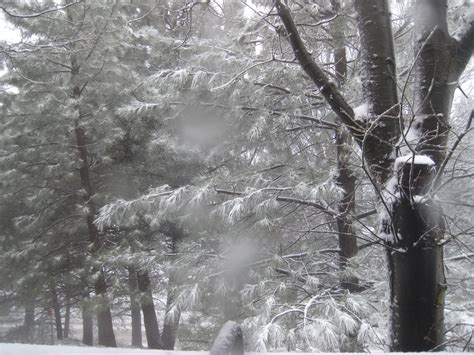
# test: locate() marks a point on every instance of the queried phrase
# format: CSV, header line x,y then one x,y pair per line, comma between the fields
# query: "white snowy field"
x,y
24,349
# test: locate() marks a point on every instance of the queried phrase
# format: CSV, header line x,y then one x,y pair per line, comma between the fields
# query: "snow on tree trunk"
x,y
379,86
416,266
417,271
413,220
229,341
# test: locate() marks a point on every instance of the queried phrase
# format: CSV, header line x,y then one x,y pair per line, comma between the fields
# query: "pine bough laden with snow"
x,y
411,220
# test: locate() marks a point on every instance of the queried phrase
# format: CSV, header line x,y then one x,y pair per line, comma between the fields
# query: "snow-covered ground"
x,y
23,349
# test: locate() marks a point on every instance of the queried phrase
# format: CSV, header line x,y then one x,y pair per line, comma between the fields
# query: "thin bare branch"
x,y
334,98
38,14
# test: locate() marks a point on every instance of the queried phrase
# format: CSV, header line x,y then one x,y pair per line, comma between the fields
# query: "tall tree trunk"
x,y
413,226
346,205
152,330
106,335
173,310
171,322
417,277
229,341
417,281
67,315
345,176
104,317
135,308
415,264
379,85
57,312
87,321
29,322
345,179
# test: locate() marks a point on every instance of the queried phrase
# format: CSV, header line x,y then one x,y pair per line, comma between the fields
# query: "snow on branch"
x,y
415,159
38,14
334,98
322,205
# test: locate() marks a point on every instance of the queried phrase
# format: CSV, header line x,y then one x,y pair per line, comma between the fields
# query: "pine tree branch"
x,y
38,14
334,98
326,209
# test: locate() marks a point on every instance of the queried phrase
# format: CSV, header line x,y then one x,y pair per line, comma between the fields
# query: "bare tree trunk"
x,y
57,312
171,323
379,84
345,178
67,315
173,311
417,281
135,308
414,227
106,336
417,275
346,206
229,341
87,321
29,322
152,330
104,316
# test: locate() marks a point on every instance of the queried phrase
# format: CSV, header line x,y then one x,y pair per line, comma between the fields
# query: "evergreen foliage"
x,y
173,155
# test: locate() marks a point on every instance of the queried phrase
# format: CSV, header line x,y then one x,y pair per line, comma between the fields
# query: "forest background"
x,y
169,165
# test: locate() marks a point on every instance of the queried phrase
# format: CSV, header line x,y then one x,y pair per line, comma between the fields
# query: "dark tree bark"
x,y
173,311
87,321
106,335
379,85
346,206
229,341
171,322
67,315
417,281
345,176
414,226
135,308
29,322
417,277
152,330
57,313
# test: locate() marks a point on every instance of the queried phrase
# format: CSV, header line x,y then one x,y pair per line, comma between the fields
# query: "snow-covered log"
x,y
229,341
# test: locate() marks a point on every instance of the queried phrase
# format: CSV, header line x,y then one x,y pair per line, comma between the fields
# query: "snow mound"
x,y
416,159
